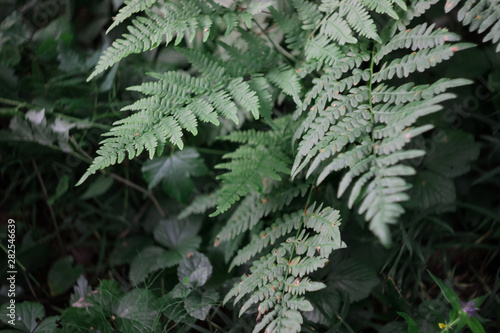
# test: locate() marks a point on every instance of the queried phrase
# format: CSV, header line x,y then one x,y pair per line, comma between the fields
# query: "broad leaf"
x,y
137,312
198,304
179,235
62,275
175,172
194,270
151,259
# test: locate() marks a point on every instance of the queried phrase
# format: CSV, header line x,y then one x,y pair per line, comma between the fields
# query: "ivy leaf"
x,y
62,275
198,304
151,259
175,172
194,270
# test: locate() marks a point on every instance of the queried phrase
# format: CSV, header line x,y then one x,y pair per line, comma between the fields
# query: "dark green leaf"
x,y
175,172
412,325
448,293
137,312
99,186
194,270
198,304
151,259
62,275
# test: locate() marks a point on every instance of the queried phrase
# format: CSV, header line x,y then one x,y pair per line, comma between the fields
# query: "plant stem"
x,y
51,211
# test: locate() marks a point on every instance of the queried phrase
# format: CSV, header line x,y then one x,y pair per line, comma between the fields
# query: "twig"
x,y
123,180
51,211
140,189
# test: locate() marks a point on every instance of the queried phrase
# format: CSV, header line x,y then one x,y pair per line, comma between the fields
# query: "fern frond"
x,y
285,78
480,15
131,7
277,281
162,23
352,124
249,167
201,204
257,206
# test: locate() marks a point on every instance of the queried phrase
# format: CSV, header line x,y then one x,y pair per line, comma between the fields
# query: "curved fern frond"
x,y
131,7
278,281
162,23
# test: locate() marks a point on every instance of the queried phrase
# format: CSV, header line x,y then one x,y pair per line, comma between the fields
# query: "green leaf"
x,y
48,325
179,235
137,312
175,172
474,325
412,325
109,293
198,304
151,259
25,316
453,155
354,278
81,319
448,293
97,187
128,248
433,192
62,187
62,275
194,270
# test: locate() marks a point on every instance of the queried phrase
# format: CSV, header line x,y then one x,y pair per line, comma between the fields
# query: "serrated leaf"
x,y
175,172
194,270
26,315
452,156
179,235
353,278
137,312
198,304
151,259
433,192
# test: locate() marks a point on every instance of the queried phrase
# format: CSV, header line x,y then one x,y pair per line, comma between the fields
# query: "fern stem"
x,y
122,180
370,90
299,229
281,50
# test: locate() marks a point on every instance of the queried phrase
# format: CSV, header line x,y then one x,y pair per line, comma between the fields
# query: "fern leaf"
x,y
286,79
131,7
278,283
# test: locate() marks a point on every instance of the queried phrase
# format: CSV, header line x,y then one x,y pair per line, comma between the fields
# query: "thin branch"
x,y
122,180
52,215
